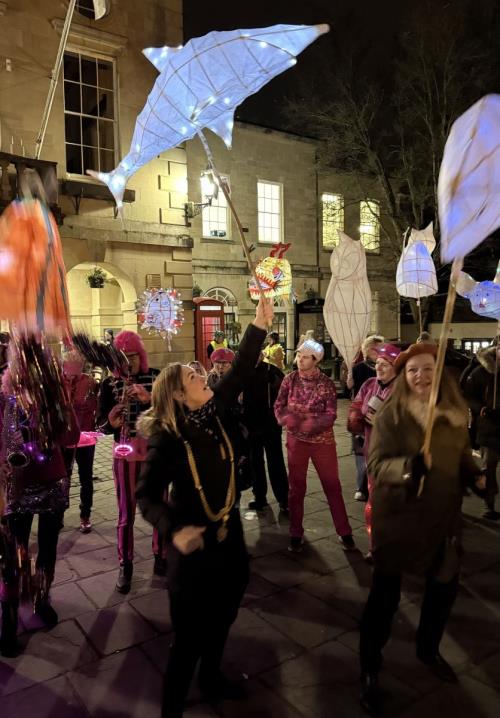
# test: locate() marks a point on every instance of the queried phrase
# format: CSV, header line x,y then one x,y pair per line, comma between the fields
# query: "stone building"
x,y
102,87
281,196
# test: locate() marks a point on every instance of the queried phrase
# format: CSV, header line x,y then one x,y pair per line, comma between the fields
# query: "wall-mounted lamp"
x,y
209,191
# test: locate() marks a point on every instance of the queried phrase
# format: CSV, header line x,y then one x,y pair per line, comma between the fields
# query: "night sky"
x,y
369,25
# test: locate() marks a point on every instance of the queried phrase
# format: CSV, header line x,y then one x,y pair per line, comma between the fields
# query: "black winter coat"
x,y
479,392
259,396
166,466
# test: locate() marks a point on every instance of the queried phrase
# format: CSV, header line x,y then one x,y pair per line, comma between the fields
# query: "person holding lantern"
x,y
416,512
121,401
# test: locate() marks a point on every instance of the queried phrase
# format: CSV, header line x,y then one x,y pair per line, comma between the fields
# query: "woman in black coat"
x,y
193,454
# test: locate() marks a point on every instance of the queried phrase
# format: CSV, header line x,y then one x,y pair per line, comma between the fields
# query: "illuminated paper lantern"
x,y
160,311
469,179
416,273
348,300
274,274
201,85
484,297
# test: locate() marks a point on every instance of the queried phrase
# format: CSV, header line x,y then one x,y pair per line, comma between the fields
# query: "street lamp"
x,y
209,191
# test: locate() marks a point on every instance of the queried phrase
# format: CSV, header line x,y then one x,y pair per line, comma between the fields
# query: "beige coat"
x,y
411,534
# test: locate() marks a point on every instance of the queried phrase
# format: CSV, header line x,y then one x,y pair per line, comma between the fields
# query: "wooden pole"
x,y
438,372
231,206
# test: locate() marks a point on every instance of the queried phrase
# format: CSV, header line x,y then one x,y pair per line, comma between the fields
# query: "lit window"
x,y
89,113
215,219
332,213
369,225
269,211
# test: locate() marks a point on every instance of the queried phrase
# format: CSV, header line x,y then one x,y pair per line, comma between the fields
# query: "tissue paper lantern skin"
x,y
469,179
274,274
416,273
160,311
348,301
484,297
201,85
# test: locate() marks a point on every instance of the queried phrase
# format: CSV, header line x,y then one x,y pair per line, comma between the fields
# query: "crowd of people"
x,y
187,443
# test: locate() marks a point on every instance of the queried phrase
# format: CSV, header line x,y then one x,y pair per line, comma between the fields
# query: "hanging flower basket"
x,y
96,279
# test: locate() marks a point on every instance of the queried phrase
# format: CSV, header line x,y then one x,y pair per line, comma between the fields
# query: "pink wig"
x,y
131,343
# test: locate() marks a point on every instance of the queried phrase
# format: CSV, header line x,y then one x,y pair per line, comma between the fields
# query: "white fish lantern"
x,y
160,311
416,273
348,300
201,85
484,297
469,179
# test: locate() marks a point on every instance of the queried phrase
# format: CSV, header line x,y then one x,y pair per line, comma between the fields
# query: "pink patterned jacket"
x,y
360,418
307,406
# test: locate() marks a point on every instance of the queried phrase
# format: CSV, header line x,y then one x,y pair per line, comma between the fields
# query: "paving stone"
x,y
254,645
55,698
158,650
258,587
120,686
70,601
154,607
114,629
93,562
267,540
101,587
45,655
281,570
469,698
489,671
346,588
64,572
324,555
261,702
74,542
303,618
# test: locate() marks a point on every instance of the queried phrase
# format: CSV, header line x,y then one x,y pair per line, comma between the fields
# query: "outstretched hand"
x,y
264,313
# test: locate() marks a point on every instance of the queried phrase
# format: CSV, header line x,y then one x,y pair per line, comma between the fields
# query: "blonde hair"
x,y
165,410
370,341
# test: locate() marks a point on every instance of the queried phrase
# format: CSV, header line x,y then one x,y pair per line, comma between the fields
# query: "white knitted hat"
x,y
311,346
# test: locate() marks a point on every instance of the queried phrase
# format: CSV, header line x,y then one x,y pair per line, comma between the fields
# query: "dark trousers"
x,y
270,443
49,526
84,457
205,591
381,606
491,459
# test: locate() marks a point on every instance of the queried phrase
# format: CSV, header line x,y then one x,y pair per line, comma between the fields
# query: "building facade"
x,y
281,196
103,85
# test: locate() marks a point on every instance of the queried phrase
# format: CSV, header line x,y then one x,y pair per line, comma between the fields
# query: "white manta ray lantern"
x,y
201,84
348,301
416,273
484,297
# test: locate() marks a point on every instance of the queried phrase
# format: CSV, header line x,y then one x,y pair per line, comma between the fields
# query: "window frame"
x,y
281,213
228,237
366,201
326,247
112,60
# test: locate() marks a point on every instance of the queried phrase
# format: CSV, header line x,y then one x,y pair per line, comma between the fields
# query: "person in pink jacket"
x,y
307,407
367,402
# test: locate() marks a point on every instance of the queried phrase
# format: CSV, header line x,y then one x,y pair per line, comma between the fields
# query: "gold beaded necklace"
x,y
223,514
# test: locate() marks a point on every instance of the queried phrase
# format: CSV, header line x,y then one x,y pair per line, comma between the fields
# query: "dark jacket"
x,y
361,372
479,392
409,533
166,466
110,395
259,396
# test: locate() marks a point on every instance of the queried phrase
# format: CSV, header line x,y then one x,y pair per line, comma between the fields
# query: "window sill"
x,y
217,240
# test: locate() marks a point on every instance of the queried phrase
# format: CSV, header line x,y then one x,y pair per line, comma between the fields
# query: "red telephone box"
x,y
208,317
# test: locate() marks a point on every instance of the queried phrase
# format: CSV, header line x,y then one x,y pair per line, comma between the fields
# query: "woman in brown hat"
x,y
415,532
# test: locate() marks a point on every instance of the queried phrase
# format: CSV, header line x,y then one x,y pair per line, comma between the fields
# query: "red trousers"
x,y
125,475
324,458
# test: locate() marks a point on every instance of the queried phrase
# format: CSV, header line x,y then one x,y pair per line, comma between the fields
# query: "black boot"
x,y
160,566
8,637
125,577
370,693
44,610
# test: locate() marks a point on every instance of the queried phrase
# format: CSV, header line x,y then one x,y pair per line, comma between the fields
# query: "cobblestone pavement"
x,y
295,640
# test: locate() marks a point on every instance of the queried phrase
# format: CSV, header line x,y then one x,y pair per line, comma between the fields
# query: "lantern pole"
x,y
231,206
438,371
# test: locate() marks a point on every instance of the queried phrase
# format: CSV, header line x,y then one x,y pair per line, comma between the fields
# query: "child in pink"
x,y
307,407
